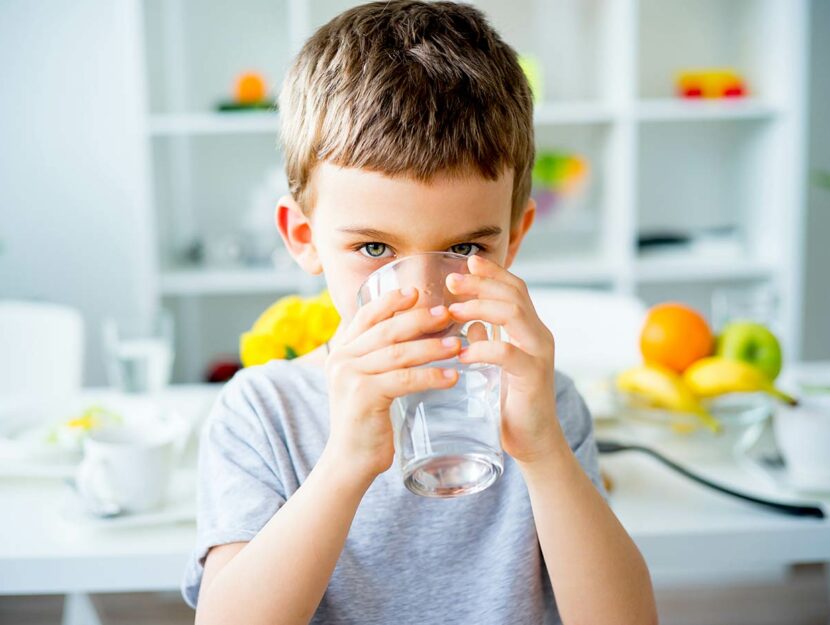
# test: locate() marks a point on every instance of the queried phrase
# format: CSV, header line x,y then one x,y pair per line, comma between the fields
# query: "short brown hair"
x,y
408,88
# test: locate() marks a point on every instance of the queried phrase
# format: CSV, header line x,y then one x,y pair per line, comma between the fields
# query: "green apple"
x,y
753,343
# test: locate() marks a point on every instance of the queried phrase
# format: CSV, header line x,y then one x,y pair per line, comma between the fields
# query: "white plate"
x,y
179,508
27,448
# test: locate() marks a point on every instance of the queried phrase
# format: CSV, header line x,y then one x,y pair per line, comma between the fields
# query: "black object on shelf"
x,y
803,510
660,239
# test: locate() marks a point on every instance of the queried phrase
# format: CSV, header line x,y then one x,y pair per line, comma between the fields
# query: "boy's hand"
x,y
529,426
372,365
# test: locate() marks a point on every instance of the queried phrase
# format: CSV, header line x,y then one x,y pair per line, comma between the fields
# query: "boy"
x,y
407,128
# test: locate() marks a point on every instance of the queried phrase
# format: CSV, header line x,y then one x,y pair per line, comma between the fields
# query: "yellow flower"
x,y
290,327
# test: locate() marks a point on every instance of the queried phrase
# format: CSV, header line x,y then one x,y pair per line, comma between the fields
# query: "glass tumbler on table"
x,y
447,441
139,352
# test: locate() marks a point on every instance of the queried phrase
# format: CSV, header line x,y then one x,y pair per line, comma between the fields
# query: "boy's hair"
x,y
408,88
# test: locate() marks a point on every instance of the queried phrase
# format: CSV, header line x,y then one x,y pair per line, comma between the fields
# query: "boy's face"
x,y
362,220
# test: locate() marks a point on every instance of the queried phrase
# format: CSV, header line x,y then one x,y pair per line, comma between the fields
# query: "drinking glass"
x,y
139,352
759,303
447,441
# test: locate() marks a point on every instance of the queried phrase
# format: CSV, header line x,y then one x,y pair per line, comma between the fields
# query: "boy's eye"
x,y
466,249
374,249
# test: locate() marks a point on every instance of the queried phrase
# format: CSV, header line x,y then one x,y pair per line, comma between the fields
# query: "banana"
x,y
665,389
716,375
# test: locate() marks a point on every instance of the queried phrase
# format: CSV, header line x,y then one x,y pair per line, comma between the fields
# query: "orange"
x,y
250,88
675,335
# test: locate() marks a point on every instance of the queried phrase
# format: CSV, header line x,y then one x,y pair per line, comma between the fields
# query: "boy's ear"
x,y
295,230
519,231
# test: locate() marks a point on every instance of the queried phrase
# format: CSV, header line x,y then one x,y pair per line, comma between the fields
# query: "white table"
x,y
674,522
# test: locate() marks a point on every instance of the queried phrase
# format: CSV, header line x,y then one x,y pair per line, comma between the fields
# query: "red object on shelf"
x,y
710,84
694,92
222,370
734,92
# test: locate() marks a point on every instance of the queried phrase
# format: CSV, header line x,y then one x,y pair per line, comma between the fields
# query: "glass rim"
x,y
395,263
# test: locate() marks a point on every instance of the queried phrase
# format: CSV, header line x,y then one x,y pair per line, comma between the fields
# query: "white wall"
x,y
816,341
71,227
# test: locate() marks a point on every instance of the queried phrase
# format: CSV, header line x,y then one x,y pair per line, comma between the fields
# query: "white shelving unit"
x,y
657,162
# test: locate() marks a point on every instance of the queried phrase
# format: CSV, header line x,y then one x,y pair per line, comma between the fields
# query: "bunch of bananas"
x,y
706,378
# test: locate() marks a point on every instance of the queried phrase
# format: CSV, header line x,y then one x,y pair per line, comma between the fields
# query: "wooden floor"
x,y
800,600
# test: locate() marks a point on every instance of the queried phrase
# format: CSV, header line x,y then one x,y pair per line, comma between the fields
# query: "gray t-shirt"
x,y
407,559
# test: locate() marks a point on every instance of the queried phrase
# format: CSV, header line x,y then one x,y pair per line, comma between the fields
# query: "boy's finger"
x,y
509,357
508,314
477,331
408,325
482,266
400,382
409,354
483,287
377,310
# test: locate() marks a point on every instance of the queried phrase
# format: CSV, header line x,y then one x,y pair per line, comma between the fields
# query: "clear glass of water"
x,y
138,352
447,441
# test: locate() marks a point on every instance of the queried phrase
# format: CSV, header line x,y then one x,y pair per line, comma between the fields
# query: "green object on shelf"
x,y
533,71
558,169
235,106
550,167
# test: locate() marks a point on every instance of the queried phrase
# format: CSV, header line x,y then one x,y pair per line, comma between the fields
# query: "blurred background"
x,y
124,187
683,154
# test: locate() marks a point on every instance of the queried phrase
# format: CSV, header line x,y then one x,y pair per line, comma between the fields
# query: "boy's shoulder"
x,y
275,377
272,395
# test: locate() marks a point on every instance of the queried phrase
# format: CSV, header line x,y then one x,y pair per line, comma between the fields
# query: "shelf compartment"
x,y
570,224
221,190
196,48
678,34
695,178
567,37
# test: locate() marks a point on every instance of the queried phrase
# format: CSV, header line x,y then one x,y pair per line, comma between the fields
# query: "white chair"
x,y
41,349
41,358
596,333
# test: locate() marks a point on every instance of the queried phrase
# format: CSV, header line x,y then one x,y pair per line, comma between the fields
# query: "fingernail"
x,y
456,277
449,373
450,341
437,310
407,291
456,306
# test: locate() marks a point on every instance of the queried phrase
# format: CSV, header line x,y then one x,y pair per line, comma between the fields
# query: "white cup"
x,y
802,434
128,467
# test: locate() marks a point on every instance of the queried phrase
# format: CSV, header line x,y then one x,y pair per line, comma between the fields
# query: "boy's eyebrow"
x,y
478,233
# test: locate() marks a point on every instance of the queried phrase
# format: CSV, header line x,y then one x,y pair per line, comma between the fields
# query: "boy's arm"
x,y
281,574
597,572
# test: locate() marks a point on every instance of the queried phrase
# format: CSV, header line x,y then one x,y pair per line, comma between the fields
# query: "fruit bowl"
x,y
742,417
